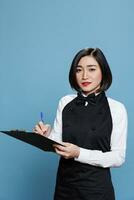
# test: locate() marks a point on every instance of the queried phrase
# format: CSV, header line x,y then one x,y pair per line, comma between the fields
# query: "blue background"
x,y
38,40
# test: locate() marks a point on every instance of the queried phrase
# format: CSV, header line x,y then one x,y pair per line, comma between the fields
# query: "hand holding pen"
x,y
41,128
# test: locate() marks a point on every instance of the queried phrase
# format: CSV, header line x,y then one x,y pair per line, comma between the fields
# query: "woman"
x,y
93,129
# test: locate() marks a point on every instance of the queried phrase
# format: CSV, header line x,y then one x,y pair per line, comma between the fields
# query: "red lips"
x,y
84,84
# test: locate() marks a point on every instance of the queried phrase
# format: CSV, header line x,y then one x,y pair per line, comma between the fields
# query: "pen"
x,y
42,117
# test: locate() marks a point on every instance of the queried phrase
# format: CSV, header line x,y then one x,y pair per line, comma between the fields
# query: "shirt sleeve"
x,y
116,156
56,132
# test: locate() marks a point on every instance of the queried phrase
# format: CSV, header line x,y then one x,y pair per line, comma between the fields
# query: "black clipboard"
x,y
34,139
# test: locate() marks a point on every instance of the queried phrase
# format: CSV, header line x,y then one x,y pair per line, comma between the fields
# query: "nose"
x,y
85,75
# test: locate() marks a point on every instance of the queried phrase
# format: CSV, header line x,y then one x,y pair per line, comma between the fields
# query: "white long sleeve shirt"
x,y
113,158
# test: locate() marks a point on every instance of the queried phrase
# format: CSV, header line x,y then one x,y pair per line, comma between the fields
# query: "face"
x,y
88,75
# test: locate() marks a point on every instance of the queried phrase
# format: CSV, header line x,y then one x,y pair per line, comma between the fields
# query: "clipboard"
x,y
34,139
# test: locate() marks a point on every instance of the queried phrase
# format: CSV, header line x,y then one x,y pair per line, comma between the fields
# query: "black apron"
x,y
87,123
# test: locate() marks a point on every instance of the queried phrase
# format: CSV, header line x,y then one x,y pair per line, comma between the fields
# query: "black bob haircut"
x,y
98,55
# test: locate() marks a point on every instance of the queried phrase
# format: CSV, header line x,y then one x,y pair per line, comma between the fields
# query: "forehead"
x,y
87,60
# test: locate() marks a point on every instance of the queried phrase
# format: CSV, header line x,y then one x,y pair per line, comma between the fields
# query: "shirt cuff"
x,y
84,154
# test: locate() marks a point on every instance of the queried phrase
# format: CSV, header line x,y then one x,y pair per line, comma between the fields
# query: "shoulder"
x,y
66,99
117,108
114,104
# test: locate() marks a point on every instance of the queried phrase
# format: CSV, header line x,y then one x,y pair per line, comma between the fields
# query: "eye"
x,y
78,70
92,69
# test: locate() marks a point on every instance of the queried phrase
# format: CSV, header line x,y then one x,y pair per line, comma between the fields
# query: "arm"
x,y
116,156
56,132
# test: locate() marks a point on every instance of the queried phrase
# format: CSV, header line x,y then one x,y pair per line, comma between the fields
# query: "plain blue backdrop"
x,y
38,40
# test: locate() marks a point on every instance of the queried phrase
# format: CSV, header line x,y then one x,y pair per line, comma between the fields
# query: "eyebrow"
x,y
87,66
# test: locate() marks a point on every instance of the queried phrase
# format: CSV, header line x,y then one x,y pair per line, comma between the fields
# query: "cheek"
x,y
98,77
77,76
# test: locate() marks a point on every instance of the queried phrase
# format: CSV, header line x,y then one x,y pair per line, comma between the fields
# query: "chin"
x,y
87,92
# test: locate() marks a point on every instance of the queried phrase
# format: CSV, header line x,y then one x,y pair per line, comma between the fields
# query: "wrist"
x,y
77,152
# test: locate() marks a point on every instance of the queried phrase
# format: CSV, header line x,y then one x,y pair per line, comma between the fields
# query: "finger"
x,y
66,144
38,130
61,153
60,147
43,127
34,130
